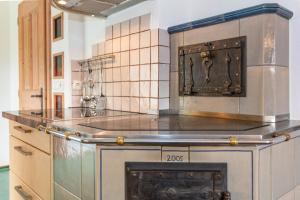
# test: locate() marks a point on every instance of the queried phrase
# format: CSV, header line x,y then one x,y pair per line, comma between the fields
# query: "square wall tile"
x,y
267,37
75,66
108,75
134,104
176,41
145,72
135,25
134,41
76,76
210,104
116,74
252,104
154,89
145,22
282,90
117,89
174,91
160,54
135,57
154,72
116,45
125,74
220,31
125,103
101,48
117,60
125,43
163,104
125,58
145,39
134,89
160,37
108,46
125,89
145,89
163,89
117,103
125,28
116,30
134,73
144,105
108,32
153,104
164,72
109,89
110,103
145,56
76,101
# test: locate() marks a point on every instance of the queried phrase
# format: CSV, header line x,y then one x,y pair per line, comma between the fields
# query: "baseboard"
x,y
4,168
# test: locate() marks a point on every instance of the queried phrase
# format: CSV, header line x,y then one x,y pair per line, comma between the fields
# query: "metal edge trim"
x,y
260,118
266,8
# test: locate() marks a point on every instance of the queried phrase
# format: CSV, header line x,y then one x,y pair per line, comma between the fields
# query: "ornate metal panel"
x,y
213,69
176,181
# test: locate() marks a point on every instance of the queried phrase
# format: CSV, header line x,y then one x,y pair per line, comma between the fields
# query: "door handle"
x,y
22,193
22,151
21,129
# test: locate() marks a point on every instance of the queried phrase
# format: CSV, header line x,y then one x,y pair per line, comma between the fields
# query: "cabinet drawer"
x,y
18,190
31,136
32,166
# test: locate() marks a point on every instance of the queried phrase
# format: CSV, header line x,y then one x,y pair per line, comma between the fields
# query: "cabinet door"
x,y
34,53
112,168
18,190
239,168
32,166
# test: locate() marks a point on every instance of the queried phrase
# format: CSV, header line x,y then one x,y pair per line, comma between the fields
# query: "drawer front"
x,y
18,190
32,166
31,136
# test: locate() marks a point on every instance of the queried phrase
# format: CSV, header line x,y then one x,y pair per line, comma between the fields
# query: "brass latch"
x,y
120,140
285,134
67,134
233,141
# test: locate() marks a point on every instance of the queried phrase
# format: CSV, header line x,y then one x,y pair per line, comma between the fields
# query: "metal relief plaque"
x,y
214,68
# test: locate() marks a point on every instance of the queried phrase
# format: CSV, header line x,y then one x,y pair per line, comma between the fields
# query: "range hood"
x,y
97,8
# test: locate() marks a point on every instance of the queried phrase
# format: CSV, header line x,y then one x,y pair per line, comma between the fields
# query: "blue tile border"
x,y
246,12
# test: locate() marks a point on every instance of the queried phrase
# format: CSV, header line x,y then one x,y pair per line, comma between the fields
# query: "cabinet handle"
x,y
22,151
21,129
22,193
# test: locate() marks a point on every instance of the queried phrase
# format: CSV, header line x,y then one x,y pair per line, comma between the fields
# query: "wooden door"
x,y
34,55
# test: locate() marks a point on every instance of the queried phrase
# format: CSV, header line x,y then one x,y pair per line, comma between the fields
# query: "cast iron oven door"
x,y
214,68
176,181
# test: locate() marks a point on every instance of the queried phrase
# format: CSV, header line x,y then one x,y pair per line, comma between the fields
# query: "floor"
x,y
4,183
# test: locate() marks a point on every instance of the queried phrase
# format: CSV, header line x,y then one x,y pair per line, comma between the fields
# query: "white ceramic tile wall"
x,y
138,78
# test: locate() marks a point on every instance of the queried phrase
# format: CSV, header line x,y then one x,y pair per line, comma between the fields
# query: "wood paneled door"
x,y
34,22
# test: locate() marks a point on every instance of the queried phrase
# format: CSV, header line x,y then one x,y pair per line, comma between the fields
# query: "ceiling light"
x,y
62,2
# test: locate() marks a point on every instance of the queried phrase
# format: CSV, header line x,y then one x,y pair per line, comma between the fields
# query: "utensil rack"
x,y
96,62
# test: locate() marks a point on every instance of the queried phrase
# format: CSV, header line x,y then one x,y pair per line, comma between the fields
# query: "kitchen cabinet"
x,y
30,162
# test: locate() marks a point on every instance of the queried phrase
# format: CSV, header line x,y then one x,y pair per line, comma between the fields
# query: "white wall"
x,y
166,13
8,70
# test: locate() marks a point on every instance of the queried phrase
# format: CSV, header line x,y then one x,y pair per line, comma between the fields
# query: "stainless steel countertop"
x,y
145,129
271,133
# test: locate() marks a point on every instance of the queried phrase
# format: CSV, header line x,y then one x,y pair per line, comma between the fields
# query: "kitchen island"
x,y
113,155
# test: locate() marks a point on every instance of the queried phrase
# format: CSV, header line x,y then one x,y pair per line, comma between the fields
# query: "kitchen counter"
x,y
29,118
115,127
